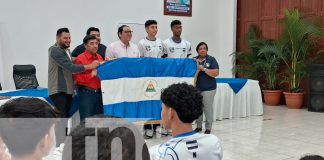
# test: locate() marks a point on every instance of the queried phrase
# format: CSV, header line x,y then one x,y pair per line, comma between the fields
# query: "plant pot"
x,y
272,97
294,100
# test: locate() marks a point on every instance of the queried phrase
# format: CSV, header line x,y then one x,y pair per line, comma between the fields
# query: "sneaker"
x,y
198,129
148,134
207,131
164,132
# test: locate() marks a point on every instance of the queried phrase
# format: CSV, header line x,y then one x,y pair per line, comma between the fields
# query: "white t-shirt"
x,y
189,146
177,50
150,48
119,49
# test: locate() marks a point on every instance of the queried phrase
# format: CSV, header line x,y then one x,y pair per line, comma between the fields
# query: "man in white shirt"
x,y
176,47
150,46
124,47
181,105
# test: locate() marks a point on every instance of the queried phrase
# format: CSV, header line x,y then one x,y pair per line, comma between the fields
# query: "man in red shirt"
x,y
88,82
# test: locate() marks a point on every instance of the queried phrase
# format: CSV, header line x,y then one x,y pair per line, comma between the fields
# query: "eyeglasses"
x,y
128,31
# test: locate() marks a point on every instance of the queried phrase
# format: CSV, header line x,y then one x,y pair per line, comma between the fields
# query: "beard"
x,y
66,46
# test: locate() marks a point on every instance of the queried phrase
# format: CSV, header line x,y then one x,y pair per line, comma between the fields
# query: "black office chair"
x,y
25,76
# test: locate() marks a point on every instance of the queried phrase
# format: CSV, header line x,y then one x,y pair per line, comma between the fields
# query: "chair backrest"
x,y
25,76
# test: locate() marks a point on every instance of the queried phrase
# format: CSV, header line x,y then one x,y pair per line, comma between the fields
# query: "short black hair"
x,y
77,145
24,122
150,22
61,30
24,107
200,44
185,99
92,29
312,157
175,22
87,38
120,29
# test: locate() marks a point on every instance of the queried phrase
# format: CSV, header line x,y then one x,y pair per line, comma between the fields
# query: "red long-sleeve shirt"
x,y
85,77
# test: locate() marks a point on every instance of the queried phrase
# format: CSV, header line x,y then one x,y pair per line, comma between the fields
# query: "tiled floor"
x,y
281,134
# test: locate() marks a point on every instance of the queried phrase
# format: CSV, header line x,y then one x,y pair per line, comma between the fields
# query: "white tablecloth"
x,y
247,102
227,104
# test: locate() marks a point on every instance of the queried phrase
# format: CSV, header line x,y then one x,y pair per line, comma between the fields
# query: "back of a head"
x,y
24,122
185,99
312,157
77,149
27,108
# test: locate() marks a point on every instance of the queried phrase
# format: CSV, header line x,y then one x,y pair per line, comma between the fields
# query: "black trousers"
x,y
62,103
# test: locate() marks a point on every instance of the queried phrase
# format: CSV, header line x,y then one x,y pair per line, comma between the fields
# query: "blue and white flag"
x,y
131,87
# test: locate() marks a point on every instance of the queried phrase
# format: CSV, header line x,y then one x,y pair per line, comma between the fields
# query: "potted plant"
x,y
294,46
268,63
261,64
248,58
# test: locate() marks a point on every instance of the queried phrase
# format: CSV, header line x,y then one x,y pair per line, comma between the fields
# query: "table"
x,y
234,98
41,93
246,102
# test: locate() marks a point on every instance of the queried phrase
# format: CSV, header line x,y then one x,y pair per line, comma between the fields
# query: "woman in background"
x,y
208,70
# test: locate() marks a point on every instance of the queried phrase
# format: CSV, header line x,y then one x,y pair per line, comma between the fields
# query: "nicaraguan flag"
x,y
131,87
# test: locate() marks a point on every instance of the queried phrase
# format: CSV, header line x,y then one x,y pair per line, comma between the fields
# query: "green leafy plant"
x,y
258,61
268,64
250,57
294,45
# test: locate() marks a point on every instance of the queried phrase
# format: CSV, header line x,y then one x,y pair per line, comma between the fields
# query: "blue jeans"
x,y
90,103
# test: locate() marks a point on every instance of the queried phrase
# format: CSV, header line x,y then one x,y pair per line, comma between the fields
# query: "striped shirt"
x,y
189,146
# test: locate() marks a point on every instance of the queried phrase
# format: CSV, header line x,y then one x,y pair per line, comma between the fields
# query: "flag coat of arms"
x,y
131,87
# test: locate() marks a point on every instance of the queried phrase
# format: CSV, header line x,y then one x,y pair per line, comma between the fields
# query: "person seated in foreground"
x,y
312,157
27,128
181,105
98,137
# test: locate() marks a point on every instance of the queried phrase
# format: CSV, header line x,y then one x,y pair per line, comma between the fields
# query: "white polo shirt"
x,y
150,48
190,145
177,50
118,49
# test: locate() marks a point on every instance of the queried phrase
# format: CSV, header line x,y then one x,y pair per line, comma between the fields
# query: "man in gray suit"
x,y
60,70
60,80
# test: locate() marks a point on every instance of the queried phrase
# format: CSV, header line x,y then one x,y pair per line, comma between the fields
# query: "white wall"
x,y
1,61
28,27
225,34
